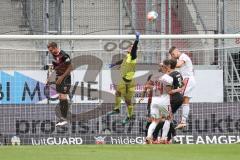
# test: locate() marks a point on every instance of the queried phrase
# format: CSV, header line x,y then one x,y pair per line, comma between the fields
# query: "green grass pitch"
x,y
121,152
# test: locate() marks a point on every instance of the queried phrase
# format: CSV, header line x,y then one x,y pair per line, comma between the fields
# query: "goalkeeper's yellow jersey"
x,y
128,67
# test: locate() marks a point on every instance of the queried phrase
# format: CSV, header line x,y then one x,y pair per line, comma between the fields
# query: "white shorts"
x,y
160,106
191,83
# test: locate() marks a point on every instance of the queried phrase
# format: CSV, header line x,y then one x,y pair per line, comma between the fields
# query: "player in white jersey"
x,y
186,70
160,102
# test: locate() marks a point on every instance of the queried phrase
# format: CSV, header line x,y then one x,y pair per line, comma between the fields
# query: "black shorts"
x,y
65,85
176,101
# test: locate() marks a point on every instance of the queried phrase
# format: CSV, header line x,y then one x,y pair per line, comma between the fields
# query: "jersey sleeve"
x,y
183,57
134,50
167,80
66,59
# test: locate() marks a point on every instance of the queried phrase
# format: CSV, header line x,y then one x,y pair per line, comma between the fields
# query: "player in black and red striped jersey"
x,y
147,91
63,67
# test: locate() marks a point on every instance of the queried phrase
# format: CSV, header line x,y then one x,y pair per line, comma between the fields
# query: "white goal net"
x,y
29,110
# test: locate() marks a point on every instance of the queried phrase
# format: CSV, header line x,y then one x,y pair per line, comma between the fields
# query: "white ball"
x,y
152,15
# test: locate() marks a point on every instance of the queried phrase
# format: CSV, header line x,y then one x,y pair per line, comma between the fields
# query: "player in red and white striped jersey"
x,y
186,69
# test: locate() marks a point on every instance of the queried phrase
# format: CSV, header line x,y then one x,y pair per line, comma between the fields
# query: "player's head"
x,y
173,63
53,48
165,66
174,52
129,49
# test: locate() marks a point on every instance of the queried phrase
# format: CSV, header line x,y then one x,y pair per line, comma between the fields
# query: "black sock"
x,y
172,131
157,129
147,126
64,107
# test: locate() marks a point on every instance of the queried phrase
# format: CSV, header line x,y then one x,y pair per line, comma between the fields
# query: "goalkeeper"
x,y
126,86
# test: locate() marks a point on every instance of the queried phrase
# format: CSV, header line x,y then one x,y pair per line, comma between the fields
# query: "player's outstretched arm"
x,y
176,90
115,64
135,44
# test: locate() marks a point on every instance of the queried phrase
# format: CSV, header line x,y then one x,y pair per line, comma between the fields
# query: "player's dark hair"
x,y
52,44
172,49
149,77
166,62
173,63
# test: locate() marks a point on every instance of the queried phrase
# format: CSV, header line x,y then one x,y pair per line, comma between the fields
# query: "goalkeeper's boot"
x,y
181,125
115,111
126,120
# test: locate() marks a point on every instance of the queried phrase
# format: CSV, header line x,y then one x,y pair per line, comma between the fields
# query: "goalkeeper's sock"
x,y
185,112
151,129
117,103
165,129
130,111
64,107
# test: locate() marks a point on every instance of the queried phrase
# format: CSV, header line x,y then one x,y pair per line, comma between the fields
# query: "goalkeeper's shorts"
x,y
126,89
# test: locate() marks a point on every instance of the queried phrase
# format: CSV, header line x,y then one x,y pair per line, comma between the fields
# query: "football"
x,y
152,15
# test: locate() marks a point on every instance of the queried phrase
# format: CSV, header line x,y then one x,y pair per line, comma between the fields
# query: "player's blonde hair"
x,y
172,49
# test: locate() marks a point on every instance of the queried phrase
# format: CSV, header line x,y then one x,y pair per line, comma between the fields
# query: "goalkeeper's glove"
x,y
111,65
137,35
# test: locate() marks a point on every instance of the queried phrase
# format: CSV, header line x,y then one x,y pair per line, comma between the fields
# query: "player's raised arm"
x,y
134,47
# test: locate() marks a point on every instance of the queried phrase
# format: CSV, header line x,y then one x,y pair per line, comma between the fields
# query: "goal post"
x,y
118,37
28,108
